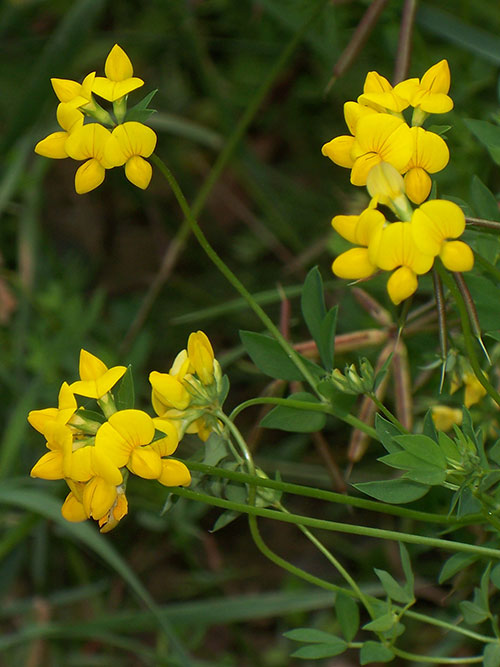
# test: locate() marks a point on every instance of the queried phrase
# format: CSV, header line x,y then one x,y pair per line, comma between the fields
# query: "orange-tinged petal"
x,y
49,466
174,473
98,497
89,176
401,284
53,146
353,264
138,171
457,256
339,150
145,462
72,509
118,65
118,510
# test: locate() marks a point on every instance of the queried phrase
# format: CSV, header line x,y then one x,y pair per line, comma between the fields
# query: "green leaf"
x,y
484,200
473,613
224,520
386,433
407,461
483,293
395,491
488,134
393,589
268,355
374,652
455,564
495,576
426,476
347,612
429,428
494,452
318,651
423,448
439,129
125,396
491,655
215,449
449,447
313,302
294,419
140,112
381,624
312,635
407,569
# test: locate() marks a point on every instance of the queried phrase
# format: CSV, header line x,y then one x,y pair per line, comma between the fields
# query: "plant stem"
x,y
468,337
331,496
229,275
379,533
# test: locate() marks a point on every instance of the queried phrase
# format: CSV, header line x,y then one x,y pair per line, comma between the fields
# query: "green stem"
x,y
332,497
466,330
228,274
326,408
382,408
336,526
417,658
240,440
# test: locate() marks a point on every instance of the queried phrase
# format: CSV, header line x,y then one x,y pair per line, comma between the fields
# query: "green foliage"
x,y
293,419
321,324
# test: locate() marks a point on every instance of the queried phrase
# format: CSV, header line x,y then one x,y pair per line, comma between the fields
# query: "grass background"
x,y
76,271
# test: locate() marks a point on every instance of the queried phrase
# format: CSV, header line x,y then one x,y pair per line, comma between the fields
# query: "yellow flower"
x,y
126,438
444,417
54,145
73,93
386,186
44,420
429,94
339,148
174,473
393,248
474,390
115,513
380,95
355,263
433,224
135,142
201,356
89,143
55,463
95,377
168,390
119,80
430,155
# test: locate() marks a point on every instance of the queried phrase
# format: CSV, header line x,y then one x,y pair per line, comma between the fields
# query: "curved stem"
x,y
385,411
326,408
468,337
229,275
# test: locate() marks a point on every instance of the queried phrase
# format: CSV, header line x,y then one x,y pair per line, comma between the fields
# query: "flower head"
x,y
134,142
430,155
355,263
430,93
96,379
380,95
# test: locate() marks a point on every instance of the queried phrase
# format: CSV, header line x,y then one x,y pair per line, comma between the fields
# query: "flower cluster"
x,y
381,148
95,454
126,143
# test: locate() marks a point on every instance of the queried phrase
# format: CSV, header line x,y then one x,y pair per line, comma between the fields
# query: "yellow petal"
x,y
53,146
114,90
113,445
434,222
201,355
417,184
135,138
170,391
89,176
362,166
181,365
90,366
135,426
78,466
457,256
72,509
445,417
437,78
49,466
88,141
353,112
40,418
138,171
118,510
145,462
339,150
429,150
118,65
345,225
167,445
353,264
98,497
385,182
174,473
104,467
65,89
436,103
369,222
394,246
401,284
68,117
